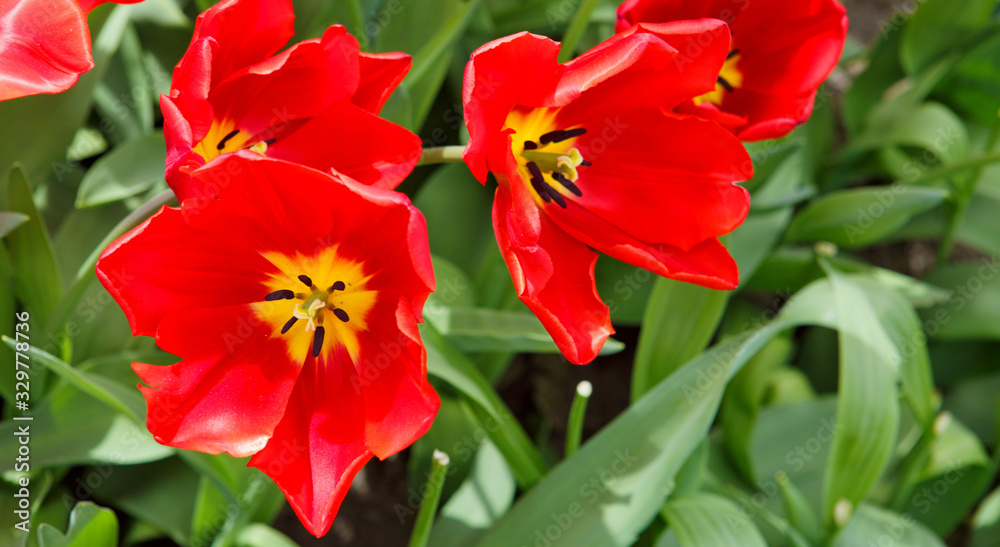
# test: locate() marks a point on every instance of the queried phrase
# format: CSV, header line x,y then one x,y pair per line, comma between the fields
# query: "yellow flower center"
x,y
316,303
729,79
223,137
546,156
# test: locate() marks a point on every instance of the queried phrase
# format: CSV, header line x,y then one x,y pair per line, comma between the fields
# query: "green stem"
x,y
357,18
441,154
428,506
575,31
956,167
574,429
963,198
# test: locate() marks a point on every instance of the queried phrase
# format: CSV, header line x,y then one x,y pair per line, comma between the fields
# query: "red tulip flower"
x,y
293,302
45,45
782,50
586,159
315,103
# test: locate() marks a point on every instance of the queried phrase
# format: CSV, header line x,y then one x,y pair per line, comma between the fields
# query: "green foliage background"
x,y
846,394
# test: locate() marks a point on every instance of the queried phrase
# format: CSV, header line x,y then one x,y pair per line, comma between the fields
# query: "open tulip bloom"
x,y
588,158
292,301
315,103
780,54
45,45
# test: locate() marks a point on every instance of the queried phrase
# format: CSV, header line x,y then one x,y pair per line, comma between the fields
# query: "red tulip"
x,y
45,45
315,103
586,159
293,302
782,50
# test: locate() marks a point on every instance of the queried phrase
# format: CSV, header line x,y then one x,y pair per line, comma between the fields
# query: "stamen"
x,y
722,81
306,281
530,145
338,286
561,179
270,141
546,192
318,341
289,324
222,143
341,314
280,295
733,53
560,135
586,163
556,196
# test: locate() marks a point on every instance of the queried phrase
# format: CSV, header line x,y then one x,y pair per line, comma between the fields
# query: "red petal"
x,y
247,32
380,74
400,403
45,45
229,391
281,205
786,50
659,178
650,64
88,5
707,264
163,265
355,142
299,82
517,69
553,275
189,96
318,447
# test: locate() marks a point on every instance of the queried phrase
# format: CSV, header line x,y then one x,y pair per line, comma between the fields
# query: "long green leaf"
x,y
679,322
867,407
709,520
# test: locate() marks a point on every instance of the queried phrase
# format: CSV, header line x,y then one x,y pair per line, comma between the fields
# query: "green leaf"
x,y
951,482
625,289
608,492
937,28
457,209
448,364
973,311
679,322
131,168
483,330
10,220
929,126
792,440
165,501
262,535
867,408
862,216
871,523
744,399
709,520
904,328
128,402
986,522
482,499
71,427
36,275
869,88
89,526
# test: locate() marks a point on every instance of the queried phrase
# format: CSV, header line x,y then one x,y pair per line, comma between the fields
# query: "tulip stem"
x,y
575,31
441,154
428,506
574,429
